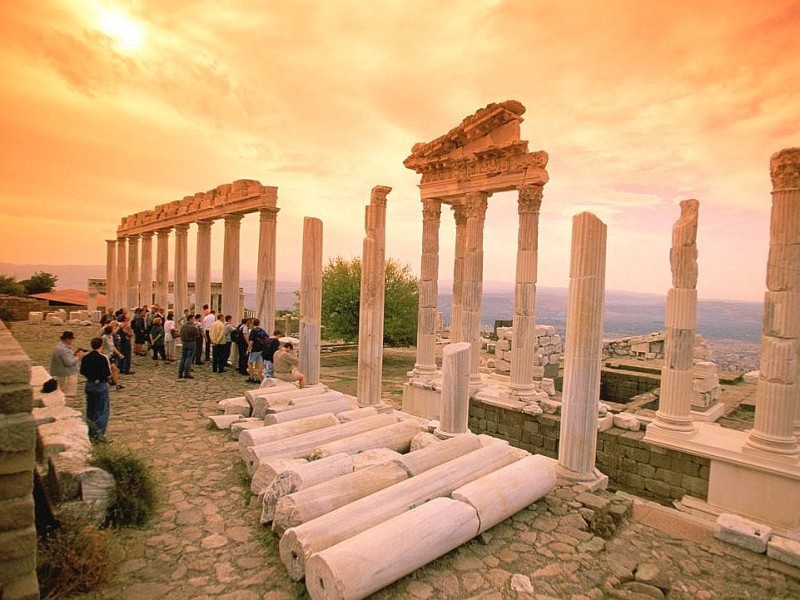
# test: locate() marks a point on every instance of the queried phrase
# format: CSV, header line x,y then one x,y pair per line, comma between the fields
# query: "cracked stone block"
x,y
742,532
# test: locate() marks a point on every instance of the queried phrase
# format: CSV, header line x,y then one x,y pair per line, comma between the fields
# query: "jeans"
x,y
97,409
269,369
187,356
125,348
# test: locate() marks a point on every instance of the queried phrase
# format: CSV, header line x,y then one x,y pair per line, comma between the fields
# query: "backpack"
x,y
237,335
261,335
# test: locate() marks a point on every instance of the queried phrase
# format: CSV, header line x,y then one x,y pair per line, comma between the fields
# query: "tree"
x,y
40,282
341,288
10,287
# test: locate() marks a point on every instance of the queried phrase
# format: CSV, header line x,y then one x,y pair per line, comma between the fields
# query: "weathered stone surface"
x,y
784,550
742,532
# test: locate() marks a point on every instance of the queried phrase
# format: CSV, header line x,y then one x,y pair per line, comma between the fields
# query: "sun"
x,y
126,34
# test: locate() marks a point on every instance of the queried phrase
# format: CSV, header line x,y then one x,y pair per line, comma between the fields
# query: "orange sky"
x,y
110,108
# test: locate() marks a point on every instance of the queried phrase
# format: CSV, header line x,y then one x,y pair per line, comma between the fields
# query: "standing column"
x,y
428,289
111,274
460,216
777,421
121,286
524,348
91,291
583,351
455,389
146,284
265,269
181,295
370,317
675,403
202,276
472,288
230,265
311,299
162,267
133,270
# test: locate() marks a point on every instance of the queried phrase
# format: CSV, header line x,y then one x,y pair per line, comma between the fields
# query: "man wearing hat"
x,y
64,364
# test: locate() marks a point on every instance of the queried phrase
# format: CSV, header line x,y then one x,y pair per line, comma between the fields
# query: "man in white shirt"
x,y
208,321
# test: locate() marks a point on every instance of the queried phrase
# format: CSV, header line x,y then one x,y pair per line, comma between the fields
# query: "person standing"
x,y
64,364
227,344
208,320
255,349
96,368
114,356
169,336
270,348
239,337
125,335
189,335
198,349
156,337
216,334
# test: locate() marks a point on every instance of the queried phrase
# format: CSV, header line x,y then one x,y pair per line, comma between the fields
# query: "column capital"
x,y
163,232
784,169
530,199
147,235
459,214
379,193
133,237
269,214
204,225
233,218
431,209
476,204
109,242
181,229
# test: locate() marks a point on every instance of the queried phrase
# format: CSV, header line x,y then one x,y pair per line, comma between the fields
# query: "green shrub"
x,y
75,558
137,493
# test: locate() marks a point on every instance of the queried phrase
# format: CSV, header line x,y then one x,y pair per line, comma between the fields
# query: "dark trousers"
x,y
219,357
198,351
242,346
187,355
97,409
226,347
208,344
125,362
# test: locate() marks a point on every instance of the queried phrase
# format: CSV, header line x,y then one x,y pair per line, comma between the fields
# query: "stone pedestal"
x,y
472,287
181,292
230,266
121,287
777,419
133,271
146,281
265,269
525,339
428,290
370,318
111,273
583,352
162,267
202,277
311,300
455,389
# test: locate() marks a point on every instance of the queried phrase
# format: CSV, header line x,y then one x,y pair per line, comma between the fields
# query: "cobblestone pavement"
x,y
205,541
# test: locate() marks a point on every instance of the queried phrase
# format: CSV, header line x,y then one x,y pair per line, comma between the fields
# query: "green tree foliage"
x,y
40,282
341,288
10,287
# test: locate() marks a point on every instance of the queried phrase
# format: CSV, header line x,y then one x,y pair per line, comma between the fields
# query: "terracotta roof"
x,y
75,297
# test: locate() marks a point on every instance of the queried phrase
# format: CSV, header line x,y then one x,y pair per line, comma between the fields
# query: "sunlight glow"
x,y
124,32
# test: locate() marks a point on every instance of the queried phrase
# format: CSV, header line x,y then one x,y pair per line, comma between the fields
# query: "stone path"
x,y
205,541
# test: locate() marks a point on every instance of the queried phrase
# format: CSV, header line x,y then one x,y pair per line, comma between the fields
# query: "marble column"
x,y
121,286
146,283
311,300
455,389
425,365
525,341
583,349
181,294
265,269
675,402
230,265
371,305
202,276
133,270
111,274
162,267
472,287
460,217
91,291
777,418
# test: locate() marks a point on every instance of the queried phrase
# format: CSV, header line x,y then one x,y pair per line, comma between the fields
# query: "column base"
x,y
674,423
381,407
446,435
594,480
424,371
519,390
772,445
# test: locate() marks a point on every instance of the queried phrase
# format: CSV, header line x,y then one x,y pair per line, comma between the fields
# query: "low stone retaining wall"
x,y
631,464
18,307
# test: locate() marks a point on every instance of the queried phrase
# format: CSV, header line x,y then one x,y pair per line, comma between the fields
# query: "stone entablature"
x,y
483,154
240,197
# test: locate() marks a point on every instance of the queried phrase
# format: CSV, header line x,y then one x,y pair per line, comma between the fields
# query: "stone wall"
x,y
18,307
17,458
631,464
621,386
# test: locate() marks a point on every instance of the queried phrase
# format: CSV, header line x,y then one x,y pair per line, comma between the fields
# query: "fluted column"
x,y
428,289
122,273
583,350
202,277
777,419
524,348
370,316
455,389
460,217
265,269
230,265
181,293
162,266
311,299
472,287
675,402
146,283
133,270
111,274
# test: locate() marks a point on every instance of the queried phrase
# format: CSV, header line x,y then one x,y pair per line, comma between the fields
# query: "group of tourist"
x,y
153,329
